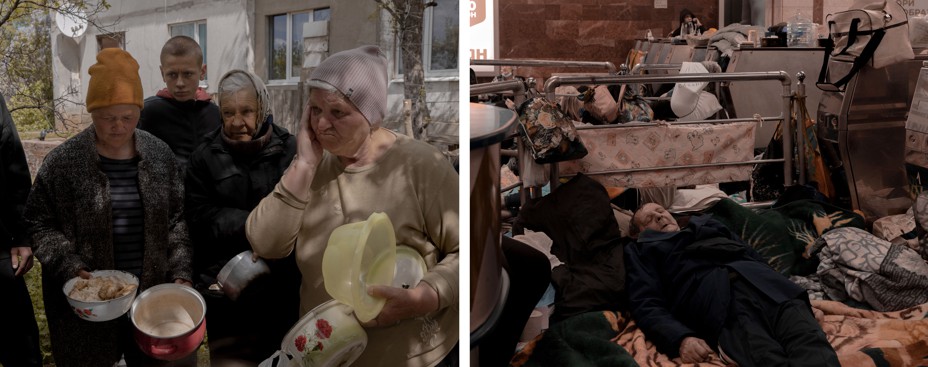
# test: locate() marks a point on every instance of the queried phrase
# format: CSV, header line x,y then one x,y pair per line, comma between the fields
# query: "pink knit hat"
x,y
361,75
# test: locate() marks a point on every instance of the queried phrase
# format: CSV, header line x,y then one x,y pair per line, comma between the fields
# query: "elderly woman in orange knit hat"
x,y
111,197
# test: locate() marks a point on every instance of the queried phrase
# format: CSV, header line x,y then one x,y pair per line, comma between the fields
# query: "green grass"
x,y
34,283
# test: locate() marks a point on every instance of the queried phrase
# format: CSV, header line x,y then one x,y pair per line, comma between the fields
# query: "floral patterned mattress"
x,y
665,145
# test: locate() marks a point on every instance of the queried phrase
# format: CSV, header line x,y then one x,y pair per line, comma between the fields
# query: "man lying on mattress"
x,y
699,290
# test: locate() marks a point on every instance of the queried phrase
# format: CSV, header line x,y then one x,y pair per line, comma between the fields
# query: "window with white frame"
x,y
195,30
285,58
439,40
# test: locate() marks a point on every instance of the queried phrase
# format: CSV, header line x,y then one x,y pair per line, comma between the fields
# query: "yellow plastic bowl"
x,y
359,255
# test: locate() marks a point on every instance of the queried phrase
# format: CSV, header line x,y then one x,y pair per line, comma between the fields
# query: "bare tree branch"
x,y
6,17
26,77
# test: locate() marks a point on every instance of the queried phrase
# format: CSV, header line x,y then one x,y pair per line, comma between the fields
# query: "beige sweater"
x,y
416,187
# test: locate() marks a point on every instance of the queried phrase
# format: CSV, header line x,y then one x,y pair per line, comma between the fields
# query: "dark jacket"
x,y
69,216
683,14
579,220
223,188
15,183
183,125
679,285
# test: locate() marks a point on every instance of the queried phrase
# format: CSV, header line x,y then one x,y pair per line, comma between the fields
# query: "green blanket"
x,y
582,340
861,338
784,235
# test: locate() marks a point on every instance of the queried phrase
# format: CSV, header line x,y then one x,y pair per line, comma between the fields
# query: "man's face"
x,y
655,217
182,75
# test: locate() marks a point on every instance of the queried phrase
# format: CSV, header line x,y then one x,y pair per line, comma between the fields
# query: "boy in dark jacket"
x,y
697,290
181,114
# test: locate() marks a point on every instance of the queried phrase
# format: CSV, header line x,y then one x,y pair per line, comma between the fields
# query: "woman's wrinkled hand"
x,y
84,274
402,303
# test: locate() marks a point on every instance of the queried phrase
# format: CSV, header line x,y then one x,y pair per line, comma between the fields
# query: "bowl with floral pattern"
x,y
107,295
327,336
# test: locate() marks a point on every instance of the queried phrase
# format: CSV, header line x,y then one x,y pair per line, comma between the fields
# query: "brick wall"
x,y
586,30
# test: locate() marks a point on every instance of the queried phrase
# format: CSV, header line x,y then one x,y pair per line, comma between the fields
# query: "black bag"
x,y
767,178
548,132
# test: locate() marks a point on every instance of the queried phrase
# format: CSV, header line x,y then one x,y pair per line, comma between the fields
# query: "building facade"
x,y
279,40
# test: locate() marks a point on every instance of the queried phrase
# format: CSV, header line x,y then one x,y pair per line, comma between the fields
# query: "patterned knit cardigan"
x,y
70,221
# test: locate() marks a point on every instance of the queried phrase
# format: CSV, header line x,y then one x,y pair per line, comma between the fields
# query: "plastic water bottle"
x,y
800,32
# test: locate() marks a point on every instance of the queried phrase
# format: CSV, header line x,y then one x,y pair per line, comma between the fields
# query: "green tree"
x,y
26,78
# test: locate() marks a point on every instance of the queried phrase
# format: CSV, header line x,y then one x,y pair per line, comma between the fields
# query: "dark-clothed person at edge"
x,y
19,344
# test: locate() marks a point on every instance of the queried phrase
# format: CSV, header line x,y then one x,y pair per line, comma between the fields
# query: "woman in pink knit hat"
x,y
348,167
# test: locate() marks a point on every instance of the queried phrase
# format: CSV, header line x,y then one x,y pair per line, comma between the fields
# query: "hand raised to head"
x,y
309,150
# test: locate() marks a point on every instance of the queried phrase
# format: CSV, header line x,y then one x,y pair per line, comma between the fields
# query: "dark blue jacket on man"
x,y
679,282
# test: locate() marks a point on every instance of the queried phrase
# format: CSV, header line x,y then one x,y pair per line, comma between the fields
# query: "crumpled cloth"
x,y
541,242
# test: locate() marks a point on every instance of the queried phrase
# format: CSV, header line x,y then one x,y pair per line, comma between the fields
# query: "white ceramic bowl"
x,y
359,255
327,336
102,310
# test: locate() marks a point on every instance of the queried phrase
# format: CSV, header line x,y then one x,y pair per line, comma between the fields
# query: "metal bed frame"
x,y
518,90
609,66
784,117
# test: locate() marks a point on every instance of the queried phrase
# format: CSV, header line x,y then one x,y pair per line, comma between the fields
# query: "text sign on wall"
x,y
915,8
482,33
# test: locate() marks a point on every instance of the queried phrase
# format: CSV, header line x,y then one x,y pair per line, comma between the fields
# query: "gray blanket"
x,y
858,266
729,36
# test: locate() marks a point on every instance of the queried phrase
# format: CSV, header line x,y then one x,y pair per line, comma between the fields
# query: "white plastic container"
x,y
801,32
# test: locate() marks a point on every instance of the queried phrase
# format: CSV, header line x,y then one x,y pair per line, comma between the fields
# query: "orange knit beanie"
x,y
114,80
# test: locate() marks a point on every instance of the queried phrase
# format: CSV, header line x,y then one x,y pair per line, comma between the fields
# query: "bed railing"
x,y
552,83
609,66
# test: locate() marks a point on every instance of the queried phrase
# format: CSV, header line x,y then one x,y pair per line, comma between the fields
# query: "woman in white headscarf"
x,y
226,178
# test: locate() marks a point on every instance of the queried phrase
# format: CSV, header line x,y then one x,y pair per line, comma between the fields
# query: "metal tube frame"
x,y
552,83
608,65
517,87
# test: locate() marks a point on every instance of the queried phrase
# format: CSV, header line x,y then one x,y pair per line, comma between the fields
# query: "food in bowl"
x,y
102,310
102,288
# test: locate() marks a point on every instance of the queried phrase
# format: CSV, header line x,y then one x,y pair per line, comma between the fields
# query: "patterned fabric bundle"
x,y
548,132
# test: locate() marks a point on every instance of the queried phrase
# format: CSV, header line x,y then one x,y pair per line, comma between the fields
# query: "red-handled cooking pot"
x,y
169,321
